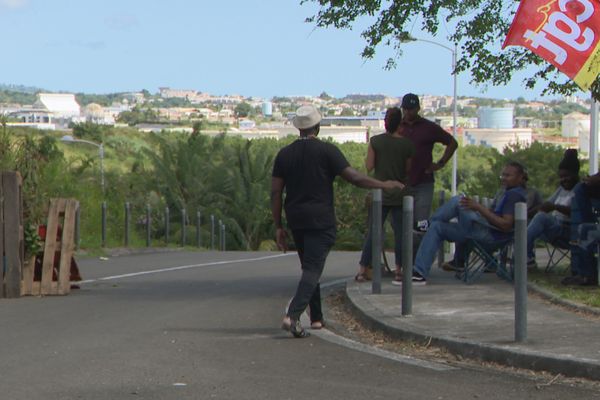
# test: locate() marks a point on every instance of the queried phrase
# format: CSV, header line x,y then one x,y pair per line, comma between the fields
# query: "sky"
x,y
260,48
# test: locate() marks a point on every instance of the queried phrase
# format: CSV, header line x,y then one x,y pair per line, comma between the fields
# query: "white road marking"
x,y
181,267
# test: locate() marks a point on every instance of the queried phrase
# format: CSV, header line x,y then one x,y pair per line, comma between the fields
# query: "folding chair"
x,y
481,257
558,250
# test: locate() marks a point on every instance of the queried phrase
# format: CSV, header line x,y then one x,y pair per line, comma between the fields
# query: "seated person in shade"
x,y
474,221
586,197
551,222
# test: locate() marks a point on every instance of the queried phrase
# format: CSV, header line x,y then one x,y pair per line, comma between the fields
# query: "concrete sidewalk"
x,y
477,321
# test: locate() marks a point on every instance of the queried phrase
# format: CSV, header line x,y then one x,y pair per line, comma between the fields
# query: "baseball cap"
x,y
410,101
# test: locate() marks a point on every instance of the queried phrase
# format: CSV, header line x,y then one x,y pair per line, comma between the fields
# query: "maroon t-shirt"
x,y
424,134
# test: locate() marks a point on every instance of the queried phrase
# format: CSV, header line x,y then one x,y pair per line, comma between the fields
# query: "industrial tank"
x,y
495,118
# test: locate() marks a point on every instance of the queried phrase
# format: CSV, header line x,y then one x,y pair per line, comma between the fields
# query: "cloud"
x,y
121,22
13,3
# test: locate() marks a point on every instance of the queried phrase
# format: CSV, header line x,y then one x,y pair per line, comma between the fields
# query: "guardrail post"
x,y
520,255
167,224
127,218
408,209
103,224
212,232
148,225
223,237
183,227
376,239
198,230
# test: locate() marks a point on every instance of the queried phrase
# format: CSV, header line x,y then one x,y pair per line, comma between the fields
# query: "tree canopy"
x,y
479,28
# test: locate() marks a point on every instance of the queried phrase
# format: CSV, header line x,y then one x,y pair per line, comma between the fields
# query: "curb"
x,y
375,319
555,299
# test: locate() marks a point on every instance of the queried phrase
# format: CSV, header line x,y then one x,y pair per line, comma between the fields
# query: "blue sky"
x,y
253,48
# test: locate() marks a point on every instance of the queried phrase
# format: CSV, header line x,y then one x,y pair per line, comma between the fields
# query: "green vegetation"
x,y
224,176
589,296
478,26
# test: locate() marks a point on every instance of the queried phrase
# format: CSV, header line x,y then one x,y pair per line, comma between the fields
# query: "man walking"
x,y
424,134
306,170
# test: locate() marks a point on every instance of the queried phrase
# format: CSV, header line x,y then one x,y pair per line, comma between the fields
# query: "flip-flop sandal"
x,y
360,277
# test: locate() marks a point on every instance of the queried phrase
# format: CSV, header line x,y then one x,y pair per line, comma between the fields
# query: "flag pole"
x,y
594,137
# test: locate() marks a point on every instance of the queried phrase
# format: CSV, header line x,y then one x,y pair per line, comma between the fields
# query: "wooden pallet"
x,y
59,244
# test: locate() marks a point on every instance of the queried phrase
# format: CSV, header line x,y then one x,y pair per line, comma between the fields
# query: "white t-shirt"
x,y
562,197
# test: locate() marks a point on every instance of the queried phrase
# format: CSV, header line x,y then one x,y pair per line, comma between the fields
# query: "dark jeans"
x,y
313,247
582,211
367,251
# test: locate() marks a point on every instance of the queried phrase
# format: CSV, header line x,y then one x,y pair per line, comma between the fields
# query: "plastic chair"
x,y
558,250
482,257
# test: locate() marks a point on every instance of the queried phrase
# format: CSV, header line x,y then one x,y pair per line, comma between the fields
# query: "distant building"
x,y
496,138
60,105
574,124
247,124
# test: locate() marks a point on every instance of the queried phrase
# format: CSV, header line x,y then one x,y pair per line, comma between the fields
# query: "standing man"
x,y
424,134
306,170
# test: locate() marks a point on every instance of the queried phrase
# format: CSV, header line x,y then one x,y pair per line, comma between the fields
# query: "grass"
x,y
586,295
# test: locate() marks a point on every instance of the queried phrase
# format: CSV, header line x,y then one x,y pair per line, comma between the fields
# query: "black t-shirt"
x,y
308,168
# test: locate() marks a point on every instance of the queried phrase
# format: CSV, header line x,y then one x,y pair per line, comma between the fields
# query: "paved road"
x,y
203,326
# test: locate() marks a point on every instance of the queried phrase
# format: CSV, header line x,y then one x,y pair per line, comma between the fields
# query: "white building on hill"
x,y
60,105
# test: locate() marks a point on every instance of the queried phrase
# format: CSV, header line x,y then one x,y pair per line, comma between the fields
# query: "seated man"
x,y
474,220
586,197
553,217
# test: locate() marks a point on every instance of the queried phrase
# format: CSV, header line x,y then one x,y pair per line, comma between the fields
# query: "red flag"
x,y
566,33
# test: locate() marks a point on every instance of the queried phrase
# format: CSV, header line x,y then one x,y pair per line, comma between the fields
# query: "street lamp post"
x,y
71,139
454,52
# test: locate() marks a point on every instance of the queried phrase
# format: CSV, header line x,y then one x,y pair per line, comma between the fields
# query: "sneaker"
x,y
577,280
451,266
421,226
417,279
297,330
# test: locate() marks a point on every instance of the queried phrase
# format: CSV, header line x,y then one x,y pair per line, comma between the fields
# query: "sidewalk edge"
x,y
375,319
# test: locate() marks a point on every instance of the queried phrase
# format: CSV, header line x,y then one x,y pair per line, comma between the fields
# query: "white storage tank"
x,y
267,109
495,117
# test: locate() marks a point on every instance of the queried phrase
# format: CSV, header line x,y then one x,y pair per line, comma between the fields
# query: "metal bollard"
x,y
103,224
376,239
441,251
167,224
183,227
520,256
148,225
127,218
198,230
408,208
212,232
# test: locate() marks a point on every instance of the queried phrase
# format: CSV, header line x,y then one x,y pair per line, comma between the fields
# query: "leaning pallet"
x,y
58,251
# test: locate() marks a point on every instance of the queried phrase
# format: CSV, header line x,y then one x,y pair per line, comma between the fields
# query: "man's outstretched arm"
x,y
359,179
